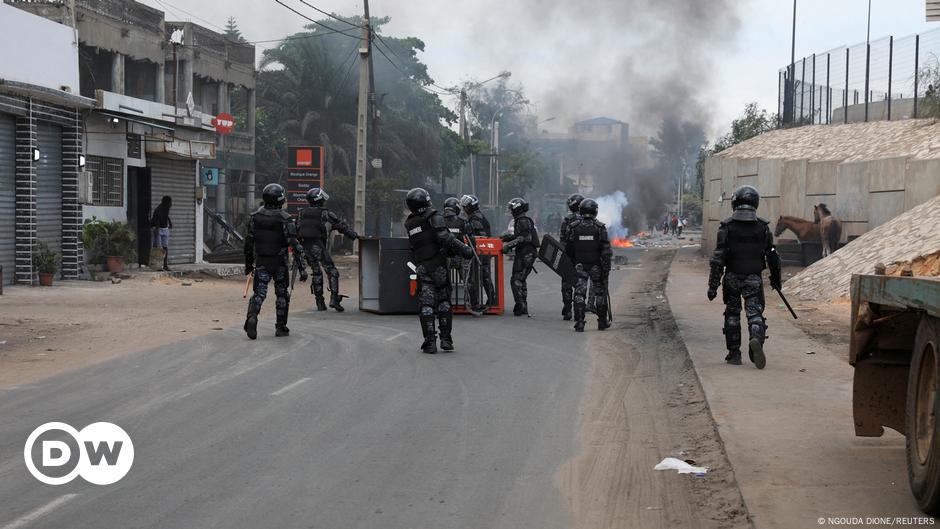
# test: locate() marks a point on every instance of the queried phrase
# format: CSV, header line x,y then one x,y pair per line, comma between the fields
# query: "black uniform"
x,y
567,289
479,226
432,244
745,247
588,248
525,241
270,233
461,230
314,225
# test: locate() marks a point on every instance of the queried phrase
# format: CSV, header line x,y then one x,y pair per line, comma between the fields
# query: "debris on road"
x,y
671,463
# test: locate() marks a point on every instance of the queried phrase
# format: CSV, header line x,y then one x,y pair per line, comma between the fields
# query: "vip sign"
x,y
101,453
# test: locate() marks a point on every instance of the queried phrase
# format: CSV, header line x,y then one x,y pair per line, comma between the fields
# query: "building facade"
x,y
40,144
156,86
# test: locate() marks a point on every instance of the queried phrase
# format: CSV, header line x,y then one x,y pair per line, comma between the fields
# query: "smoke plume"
x,y
610,212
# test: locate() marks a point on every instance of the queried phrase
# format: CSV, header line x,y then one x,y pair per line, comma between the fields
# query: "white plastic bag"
x,y
671,463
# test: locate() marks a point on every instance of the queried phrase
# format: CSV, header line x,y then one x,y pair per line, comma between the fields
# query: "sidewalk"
x,y
788,429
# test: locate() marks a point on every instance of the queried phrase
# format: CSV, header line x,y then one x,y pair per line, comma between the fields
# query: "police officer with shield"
x,y
589,249
431,246
314,225
745,247
479,227
567,289
525,240
271,231
457,225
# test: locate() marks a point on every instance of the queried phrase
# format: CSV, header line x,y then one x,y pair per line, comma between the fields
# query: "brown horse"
x,y
830,228
805,230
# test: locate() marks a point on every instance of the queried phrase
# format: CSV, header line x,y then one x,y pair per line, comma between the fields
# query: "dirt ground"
x,y
824,321
47,331
645,402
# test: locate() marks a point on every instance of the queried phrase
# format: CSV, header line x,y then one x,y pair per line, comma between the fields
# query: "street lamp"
x,y
494,150
462,126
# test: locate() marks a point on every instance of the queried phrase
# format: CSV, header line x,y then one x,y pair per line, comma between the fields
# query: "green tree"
x,y
929,105
232,32
753,122
308,90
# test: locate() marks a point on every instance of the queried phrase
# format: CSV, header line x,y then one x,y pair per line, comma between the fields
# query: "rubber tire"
x,y
924,478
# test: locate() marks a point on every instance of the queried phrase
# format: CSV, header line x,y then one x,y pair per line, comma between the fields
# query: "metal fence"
x,y
865,82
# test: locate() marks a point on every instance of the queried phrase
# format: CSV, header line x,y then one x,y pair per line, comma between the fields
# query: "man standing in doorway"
x,y
160,225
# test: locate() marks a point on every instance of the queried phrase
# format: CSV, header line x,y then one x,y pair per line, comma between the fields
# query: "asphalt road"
x,y
346,425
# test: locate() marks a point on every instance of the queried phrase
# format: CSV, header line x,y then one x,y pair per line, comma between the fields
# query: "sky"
x,y
633,60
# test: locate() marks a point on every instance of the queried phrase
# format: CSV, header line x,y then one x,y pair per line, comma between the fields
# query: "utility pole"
x,y
362,126
462,127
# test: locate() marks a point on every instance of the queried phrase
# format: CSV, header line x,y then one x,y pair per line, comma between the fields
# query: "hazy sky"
x,y
574,54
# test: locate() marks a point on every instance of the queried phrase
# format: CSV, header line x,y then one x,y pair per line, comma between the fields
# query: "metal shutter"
x,y
7,197
49,187
176,178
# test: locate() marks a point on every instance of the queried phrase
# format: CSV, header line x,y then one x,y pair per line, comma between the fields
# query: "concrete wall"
x,y
46,54
863,195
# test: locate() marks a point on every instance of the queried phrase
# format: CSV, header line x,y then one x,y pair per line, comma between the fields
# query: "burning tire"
x,y
922,409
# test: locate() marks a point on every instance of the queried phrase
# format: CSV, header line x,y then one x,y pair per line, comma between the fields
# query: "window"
x,y
108,180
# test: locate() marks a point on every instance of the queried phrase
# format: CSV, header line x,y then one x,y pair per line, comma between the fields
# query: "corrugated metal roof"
x,y
933,10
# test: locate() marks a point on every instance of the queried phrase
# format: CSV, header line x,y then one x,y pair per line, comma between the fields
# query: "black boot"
x,y
602,321
521,309
566,312
579,318
734,357
335,300
321,305
430,337
756,352
251,322
282,331
445,323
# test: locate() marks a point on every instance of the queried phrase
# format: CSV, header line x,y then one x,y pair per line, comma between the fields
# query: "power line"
x,y
294,37
175,8
408,77
331,15
449,91
317,22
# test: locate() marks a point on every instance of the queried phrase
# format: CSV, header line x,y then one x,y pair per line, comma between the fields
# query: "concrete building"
x,y
40,144
157,86
867,173
591,156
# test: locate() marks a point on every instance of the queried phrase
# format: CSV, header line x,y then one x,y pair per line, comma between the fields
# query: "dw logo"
x,y
102,453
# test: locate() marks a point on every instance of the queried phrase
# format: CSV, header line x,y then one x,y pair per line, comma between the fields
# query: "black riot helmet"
x,y
574,202
470,203
745,196
418,200
317,196
452,204
588,208
273,196
518,206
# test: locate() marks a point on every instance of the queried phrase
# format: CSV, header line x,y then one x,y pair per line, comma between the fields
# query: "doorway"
x,y
138,210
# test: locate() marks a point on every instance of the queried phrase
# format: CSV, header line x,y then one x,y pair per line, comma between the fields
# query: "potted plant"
x,y
46,262
111,243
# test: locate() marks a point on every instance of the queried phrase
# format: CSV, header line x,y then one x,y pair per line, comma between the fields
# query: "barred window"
x,y
108,180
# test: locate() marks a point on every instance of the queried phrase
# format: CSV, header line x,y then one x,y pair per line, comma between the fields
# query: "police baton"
x,y
251,275
473,247
787,303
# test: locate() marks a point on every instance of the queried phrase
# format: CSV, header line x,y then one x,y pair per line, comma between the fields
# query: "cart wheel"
x,y
923,438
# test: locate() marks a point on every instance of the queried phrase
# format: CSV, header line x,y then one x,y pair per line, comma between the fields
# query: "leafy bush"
x,y
45,261
104,239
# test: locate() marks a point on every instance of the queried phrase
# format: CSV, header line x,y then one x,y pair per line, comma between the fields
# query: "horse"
x,y
830,228
805,230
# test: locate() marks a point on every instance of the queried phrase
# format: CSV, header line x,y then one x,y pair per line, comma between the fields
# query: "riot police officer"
x,y
456,224
431,246
745,247
574,202
479,227
589,249
314,225
271,231
525,240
